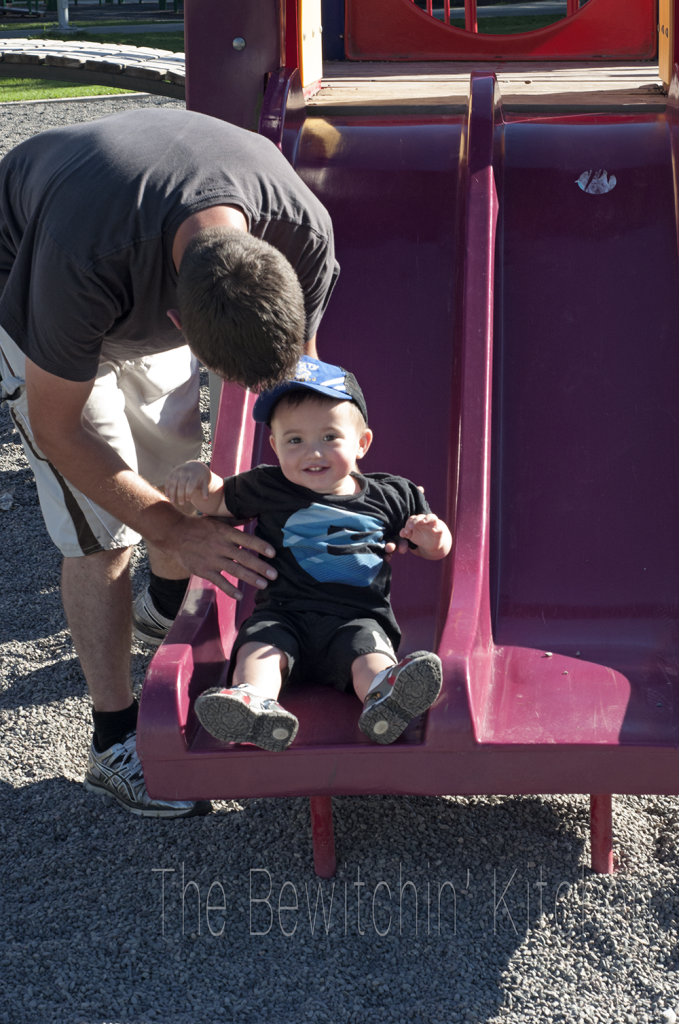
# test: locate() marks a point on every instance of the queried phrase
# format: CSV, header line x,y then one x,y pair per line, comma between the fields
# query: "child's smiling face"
x,y
318,443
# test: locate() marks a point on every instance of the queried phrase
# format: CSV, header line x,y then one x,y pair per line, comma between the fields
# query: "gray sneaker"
x,y
234,715
406,692
117,772
147,622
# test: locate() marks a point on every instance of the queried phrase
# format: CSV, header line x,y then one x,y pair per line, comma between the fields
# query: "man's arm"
x,y
310,348
203,546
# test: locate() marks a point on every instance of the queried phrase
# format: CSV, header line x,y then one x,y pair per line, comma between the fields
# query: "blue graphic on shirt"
x,y
336,546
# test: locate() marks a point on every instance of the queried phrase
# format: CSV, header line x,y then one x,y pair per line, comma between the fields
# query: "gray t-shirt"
x,y
88,215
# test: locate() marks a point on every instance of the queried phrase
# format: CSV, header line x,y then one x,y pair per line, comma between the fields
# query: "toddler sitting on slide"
x,y
327,617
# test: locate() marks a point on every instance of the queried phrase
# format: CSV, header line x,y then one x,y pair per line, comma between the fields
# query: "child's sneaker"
x,y
400,694
238,716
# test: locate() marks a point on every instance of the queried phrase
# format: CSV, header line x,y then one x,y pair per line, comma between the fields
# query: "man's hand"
x,y
203,546
207,548
401,548
430,534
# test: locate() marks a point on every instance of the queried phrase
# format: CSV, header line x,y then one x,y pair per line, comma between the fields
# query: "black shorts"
x,y
320,648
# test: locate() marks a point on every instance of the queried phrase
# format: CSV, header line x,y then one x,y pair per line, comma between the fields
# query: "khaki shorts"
x,y
146,409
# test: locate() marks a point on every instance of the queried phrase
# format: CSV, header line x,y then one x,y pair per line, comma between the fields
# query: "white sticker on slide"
x,y
596,182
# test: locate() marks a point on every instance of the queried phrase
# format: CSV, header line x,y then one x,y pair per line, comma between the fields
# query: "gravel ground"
x,y
89,934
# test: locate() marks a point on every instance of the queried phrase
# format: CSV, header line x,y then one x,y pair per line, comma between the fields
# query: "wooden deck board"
x,y
439,87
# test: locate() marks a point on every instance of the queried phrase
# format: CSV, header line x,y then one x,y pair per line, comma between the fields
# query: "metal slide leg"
x,y
601,832
323,836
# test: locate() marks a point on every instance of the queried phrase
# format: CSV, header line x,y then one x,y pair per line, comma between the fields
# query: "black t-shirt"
x,y
88,215
329,547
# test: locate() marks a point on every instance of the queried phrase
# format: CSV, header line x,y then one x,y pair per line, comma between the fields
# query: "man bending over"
x,y
130,248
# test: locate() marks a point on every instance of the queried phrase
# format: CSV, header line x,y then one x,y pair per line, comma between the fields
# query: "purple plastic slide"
x,y
508,301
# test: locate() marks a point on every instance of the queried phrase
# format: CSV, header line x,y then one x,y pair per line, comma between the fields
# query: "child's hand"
x,y
430,534
187,479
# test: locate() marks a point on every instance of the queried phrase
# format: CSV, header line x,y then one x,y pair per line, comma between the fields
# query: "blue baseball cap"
x,y
312,375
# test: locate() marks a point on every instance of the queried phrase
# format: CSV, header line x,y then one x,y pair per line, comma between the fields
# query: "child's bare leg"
x,y
364,670
260,667
247,711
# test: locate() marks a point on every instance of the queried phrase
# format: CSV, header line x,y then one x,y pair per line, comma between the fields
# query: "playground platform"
x,y
431,87
371,88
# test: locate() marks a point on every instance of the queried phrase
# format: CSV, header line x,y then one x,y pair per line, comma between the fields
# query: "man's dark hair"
x,y
241,307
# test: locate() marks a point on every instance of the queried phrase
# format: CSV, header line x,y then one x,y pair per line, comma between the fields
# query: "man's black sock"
x,y
113,726
167,595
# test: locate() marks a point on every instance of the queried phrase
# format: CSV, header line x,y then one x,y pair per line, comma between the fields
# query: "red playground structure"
x,y
509,302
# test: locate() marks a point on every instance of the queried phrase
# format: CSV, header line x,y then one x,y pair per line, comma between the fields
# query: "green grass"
x,y
13,90
74,23
14,24
509,26
173,41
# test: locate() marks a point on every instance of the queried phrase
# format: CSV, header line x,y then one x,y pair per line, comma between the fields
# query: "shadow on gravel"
x,y
45,685
112,917
56,681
